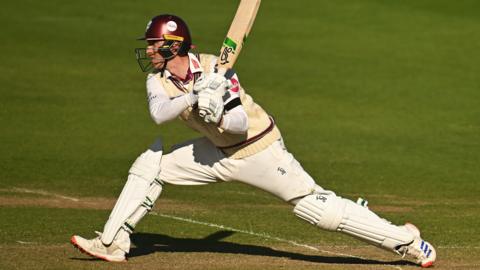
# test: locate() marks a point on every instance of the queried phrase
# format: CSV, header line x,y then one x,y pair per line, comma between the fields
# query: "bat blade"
x,y
237,34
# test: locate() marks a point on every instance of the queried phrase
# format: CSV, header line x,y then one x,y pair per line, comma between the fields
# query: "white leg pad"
x,y
334,213
153,193
140,184
147,165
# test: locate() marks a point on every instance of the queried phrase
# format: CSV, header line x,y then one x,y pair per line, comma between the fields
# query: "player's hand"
x,y
210,101
217,82
200,84
212,81
218,86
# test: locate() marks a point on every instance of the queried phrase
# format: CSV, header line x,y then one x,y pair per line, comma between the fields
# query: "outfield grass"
x,y
378,99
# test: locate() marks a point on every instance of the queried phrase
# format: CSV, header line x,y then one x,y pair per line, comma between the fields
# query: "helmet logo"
x,y
171,26
148,25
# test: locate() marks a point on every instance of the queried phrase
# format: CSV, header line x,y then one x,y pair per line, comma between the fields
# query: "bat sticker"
x,y
230,47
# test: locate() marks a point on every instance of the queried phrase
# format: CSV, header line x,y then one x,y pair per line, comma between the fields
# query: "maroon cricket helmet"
x,y
172,29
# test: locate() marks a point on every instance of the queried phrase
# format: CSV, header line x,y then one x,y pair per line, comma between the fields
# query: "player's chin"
x,y
158,64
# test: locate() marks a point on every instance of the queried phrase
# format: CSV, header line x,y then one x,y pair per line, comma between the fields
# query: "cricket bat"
x,y
236,36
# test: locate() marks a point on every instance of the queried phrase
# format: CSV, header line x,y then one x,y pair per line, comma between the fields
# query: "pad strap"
x,y
140,191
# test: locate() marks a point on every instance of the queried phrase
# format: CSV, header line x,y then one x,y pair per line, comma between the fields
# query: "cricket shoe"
x,y
422,251
114,252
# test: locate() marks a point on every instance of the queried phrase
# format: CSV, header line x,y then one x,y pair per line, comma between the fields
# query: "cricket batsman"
x,y
240,142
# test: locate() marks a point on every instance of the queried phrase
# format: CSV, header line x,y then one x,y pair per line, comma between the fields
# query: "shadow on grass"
x,y
147,243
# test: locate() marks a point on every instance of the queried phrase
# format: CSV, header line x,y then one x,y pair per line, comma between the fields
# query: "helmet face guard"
x,y
171,46
174,33
143,60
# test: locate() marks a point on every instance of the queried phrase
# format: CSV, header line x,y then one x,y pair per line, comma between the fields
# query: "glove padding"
x,y
211,102
210,90
212,81
200,84
217,82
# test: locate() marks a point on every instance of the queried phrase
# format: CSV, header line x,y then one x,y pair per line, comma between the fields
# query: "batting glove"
x,y
211,102
200,84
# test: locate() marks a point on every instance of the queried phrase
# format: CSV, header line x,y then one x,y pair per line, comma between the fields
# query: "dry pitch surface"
x,y
157,251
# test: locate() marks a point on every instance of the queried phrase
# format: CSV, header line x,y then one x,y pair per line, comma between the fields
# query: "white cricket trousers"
x,y
275,170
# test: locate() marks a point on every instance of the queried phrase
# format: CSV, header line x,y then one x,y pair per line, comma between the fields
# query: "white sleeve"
x,y
235,121
162,108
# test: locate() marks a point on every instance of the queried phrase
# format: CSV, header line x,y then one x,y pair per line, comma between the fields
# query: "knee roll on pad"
x,y
334,213
147,165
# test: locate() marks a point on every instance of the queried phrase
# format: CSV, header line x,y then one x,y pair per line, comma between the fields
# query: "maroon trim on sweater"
x,y
252,139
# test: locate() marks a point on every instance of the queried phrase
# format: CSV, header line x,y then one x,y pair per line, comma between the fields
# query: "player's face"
x,y
152,51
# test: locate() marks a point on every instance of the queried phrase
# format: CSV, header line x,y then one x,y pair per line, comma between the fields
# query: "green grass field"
x,y
378,99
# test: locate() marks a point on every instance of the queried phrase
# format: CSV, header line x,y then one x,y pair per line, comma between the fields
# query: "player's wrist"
x,y
191,98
